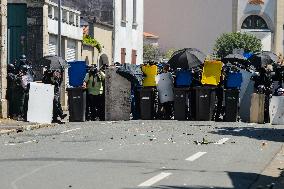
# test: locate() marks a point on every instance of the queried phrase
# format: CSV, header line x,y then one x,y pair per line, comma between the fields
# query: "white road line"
x,y
68,131
237,130
14,144
154,180
10,144
196,156
222,141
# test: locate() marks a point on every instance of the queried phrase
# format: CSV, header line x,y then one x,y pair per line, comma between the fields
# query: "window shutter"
x,y
134,57
123,55
123,10
134,11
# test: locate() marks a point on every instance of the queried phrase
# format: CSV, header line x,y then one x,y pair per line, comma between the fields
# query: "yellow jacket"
x,y
150,72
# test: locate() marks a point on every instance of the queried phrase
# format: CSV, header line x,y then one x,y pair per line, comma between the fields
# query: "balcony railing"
x,y
68,15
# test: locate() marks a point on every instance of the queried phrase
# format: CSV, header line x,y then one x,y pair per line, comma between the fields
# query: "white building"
x,y
72,33
195,23
128,31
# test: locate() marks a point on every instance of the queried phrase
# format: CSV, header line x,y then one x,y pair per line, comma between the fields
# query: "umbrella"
x,y
261,59
187,58
234,58
54,63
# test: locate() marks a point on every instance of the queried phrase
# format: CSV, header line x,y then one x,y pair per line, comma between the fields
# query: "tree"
x,y
151,53
168,54
227,42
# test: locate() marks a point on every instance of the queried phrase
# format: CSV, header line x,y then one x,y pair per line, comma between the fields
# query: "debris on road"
x,y
203,142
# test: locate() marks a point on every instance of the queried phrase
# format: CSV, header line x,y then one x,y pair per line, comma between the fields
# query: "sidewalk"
x,y
273,175
10,126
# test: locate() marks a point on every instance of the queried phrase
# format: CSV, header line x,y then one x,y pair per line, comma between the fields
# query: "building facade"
x,y
128,31
126,17
71,31
264,19
35,30
193,23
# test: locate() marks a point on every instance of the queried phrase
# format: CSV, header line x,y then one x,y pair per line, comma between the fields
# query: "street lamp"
x,y
59,28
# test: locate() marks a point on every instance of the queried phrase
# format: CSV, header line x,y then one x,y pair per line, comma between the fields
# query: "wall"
x,y
3,59
279,30
128,35
188,23
151,41
88,54
267,12
67,30
117,97
104,36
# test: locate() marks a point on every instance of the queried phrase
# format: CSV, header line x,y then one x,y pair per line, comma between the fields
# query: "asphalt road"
x,y
138,154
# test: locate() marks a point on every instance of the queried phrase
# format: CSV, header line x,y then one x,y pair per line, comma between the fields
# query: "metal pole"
x,y
59,27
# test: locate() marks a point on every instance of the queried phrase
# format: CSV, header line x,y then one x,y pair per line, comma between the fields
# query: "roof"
x,y
150,35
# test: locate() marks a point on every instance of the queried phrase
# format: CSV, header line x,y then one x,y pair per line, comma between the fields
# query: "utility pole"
x,y
59,28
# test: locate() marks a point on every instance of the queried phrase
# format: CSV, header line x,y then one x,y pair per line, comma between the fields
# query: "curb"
x,y
25,128
272,176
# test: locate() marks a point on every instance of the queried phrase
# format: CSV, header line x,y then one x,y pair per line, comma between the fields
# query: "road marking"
x,y
154,180
222,141
26,142
68,131
237,130
196,156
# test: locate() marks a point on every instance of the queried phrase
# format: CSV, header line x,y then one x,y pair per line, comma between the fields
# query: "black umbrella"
x,y
232,58
261,59
187,58
54,63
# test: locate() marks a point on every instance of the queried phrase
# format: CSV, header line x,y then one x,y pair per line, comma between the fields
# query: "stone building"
x,y
193,23
35,30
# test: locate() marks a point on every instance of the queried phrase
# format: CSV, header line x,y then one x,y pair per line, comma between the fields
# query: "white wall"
x,y
267,12
126,35
67,30
188,23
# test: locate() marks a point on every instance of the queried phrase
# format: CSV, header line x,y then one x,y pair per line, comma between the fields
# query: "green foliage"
x,y
150,53
227,42
168,54
88,40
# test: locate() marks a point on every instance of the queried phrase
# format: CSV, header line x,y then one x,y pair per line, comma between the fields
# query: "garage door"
x,y
71,51
52,46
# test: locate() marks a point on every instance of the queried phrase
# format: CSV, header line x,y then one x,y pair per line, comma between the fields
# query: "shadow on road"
x,y
239,181
269,134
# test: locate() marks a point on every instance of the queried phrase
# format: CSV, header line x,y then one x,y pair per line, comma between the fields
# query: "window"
x,y
123,55
254,22
123,10
134,11
51,12
134,57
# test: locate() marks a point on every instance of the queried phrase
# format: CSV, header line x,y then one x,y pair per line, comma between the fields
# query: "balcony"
x,y
70,26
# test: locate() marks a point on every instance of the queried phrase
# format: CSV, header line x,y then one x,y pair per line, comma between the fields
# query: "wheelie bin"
x,y
181,103
231,105
203,99
77,104
147,103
